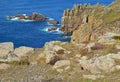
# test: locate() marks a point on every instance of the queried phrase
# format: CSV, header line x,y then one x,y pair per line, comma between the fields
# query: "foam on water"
x,y
50,18
17,19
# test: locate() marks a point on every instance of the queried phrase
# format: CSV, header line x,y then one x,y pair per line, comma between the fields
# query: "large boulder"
x,y
23,51
53,51
6,48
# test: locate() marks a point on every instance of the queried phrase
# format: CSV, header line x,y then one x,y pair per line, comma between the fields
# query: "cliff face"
x,y
72,19
88,22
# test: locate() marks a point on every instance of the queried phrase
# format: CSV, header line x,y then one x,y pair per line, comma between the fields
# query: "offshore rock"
x,y
53,22
52,29
6,48
34,17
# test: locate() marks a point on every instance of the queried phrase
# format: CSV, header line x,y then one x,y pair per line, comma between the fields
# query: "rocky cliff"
x,y
88,22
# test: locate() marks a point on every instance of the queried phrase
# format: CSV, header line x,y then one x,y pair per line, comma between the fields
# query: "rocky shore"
x,y
92,55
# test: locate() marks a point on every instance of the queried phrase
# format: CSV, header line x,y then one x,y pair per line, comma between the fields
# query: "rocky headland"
x,y
92,55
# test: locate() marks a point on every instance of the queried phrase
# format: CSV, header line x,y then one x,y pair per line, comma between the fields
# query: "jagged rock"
x,y
53,22
23,51
4,66
53,51
86,24
52,29
21,16
34,16
6,48
102,64
37,17
72,19
82,35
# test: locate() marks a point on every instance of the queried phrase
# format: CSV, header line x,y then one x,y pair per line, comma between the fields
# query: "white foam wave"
x,y
54,32
17,19
50,18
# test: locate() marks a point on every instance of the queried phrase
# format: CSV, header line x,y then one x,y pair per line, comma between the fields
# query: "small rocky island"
x,y
33,17
93,55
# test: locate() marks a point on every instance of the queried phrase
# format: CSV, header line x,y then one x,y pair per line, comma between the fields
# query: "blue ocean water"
x,y
31,33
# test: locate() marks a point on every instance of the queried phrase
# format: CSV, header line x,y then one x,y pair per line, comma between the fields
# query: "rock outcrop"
x,y
87,22
23,51
72,19
52,52
34,17
102,64
6,48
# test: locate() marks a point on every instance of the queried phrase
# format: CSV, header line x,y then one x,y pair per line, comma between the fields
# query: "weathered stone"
x,y
6,48
101,64
52,52
52,59
61,63
4,66
23,51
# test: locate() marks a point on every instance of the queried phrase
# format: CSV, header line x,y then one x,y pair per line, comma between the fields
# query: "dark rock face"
x,y
52,29
54,22
34,16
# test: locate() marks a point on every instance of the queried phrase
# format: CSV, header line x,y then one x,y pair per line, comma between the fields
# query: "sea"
x,y
34,33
